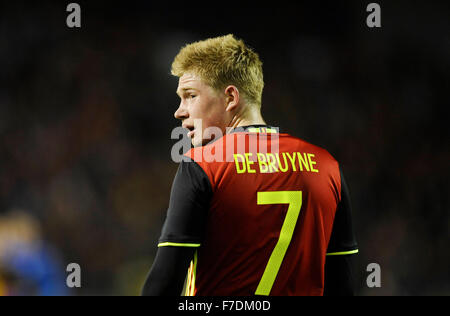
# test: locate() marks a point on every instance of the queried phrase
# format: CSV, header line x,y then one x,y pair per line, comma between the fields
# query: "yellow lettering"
x,y
238,168
312,163
286,167
271,162
249,163
303,161
292,159
262,162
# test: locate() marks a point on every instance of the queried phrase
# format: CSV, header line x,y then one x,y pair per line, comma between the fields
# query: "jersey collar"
x,y
257,128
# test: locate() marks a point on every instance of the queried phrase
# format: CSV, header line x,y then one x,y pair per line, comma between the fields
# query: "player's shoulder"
x,y
214,151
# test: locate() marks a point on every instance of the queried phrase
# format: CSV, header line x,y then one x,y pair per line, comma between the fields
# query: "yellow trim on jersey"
x,y
262,130
176,244
187,290
340,253
192,272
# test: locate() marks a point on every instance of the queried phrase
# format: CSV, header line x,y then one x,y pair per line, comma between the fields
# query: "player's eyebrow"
x,y
184,90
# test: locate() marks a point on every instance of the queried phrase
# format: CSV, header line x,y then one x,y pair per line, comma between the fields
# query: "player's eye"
x,y
189,96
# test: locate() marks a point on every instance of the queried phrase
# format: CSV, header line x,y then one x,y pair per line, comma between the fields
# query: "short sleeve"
x,y
342,240
188,207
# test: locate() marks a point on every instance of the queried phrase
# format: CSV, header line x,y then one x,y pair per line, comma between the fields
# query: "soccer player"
x,y
255,211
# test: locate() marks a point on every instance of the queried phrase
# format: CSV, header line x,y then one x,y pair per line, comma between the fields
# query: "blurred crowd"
x,y
86,116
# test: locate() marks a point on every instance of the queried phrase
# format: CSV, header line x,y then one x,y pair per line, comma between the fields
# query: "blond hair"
x,y
223,61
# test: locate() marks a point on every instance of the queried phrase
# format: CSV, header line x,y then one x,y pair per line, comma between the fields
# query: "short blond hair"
x,y
223,61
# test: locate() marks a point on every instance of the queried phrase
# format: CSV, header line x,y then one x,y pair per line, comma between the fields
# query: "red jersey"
x,y
270,206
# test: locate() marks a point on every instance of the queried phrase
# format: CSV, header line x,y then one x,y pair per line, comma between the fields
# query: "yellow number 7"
x,y
294,199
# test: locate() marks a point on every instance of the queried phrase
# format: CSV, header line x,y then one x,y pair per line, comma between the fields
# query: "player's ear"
x,y
232,98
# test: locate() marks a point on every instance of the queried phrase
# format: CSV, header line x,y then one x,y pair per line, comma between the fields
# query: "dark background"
x,y
86,116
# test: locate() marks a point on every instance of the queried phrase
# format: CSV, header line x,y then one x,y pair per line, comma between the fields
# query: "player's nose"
x,y
181,113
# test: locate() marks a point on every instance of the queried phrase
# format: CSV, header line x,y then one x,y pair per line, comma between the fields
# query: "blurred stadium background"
x,y
86,116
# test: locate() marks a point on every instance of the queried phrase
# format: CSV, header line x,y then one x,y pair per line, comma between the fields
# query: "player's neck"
x,y
252,117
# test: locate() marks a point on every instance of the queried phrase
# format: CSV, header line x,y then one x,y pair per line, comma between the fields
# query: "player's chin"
x,y
197,142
